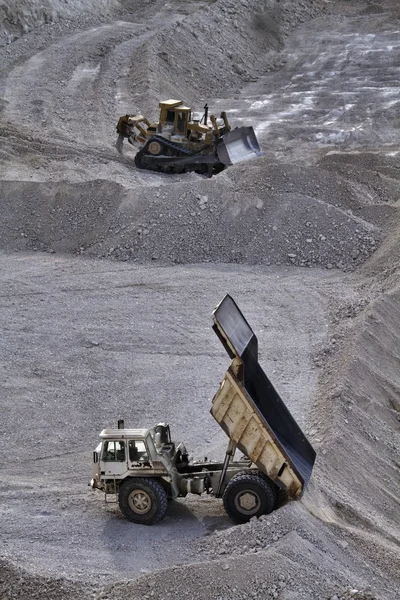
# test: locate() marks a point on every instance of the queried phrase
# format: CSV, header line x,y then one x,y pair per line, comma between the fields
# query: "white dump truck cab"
x,y
126,453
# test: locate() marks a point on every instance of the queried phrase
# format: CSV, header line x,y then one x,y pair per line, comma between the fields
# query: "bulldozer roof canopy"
x,y
170,103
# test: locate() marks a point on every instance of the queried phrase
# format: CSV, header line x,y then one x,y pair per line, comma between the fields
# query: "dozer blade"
x,y
258,422
238,145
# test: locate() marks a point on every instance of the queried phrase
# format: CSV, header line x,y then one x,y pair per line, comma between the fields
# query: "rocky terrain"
x,y
109,275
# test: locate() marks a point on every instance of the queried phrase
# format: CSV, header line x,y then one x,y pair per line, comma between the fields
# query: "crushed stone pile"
x,y
214,51
169,585
270,557
264,213
16,583
22,16
362,407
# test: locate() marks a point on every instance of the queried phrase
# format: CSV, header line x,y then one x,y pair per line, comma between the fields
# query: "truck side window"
x,y
170,118
114,451
137,451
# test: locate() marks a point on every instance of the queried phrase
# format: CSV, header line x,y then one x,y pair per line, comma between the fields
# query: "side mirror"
x,y
95,457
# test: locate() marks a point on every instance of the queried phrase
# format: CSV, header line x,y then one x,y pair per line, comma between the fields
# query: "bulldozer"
x,y
178,142
142,469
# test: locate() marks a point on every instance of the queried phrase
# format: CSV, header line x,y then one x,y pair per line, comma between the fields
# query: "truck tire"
x,y
142,500
248,496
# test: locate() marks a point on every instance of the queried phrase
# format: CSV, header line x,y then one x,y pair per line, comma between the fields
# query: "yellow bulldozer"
x,y
177,142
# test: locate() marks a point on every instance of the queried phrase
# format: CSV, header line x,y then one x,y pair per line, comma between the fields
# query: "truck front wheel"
x,y
142,500
248,496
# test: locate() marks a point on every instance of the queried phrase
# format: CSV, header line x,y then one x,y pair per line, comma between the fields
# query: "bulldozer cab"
x,y
175,115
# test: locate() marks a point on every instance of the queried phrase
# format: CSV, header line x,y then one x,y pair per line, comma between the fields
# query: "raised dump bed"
x,y
250,410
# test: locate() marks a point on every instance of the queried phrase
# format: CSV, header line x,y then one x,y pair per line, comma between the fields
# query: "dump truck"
x,y
178,142
144,468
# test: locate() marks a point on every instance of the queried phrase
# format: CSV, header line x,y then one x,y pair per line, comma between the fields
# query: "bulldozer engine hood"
x,y
241,344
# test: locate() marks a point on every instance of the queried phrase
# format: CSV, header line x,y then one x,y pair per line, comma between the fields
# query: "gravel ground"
x,y
105,337
108,277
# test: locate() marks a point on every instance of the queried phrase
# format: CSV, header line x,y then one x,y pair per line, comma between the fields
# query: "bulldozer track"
x,y
202,168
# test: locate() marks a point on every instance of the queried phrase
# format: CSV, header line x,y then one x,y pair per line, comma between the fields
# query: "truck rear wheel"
x,y
142,500
248,496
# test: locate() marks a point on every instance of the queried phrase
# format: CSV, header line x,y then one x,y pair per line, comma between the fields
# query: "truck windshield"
x,y
113,450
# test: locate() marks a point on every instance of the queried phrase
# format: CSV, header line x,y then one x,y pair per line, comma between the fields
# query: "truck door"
x,y
113,457
138,455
